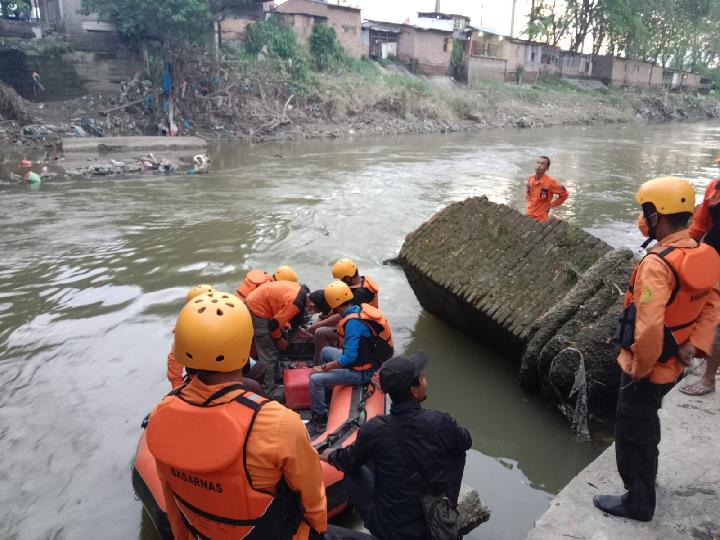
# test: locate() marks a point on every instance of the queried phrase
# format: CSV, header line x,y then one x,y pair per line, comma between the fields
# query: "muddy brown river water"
x,y
92,274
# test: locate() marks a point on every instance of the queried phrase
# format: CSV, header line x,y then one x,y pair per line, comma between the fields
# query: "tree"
x,y
326,51
170,21
546,25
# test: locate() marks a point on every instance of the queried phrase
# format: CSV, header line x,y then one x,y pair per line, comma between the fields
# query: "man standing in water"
x,y
671,312
543,192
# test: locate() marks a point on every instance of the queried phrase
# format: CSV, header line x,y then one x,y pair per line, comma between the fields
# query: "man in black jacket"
x,y
376,474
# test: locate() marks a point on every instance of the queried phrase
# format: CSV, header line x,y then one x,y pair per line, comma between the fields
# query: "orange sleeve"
x,y
560,192
653,287
177,524
703,336
702,222
300,466
285,314
174,370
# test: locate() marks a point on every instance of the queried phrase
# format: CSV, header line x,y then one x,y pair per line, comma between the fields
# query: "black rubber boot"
x,y
617,506
317,425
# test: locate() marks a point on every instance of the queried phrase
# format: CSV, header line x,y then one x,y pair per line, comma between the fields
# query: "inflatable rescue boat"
x,y
350,407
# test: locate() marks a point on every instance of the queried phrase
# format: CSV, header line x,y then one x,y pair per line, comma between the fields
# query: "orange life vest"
x,y
369,283
253,279
696,272
200,452
376,349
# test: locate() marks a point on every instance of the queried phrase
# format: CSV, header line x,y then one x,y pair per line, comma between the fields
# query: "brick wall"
x,y
426,51
85,40
233,29
345,21
486,69
692,81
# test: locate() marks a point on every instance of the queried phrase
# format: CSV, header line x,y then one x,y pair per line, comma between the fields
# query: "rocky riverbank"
x,y
254,103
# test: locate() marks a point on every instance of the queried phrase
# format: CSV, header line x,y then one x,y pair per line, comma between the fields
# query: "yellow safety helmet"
x,y
669,195
337,293
213,333
344,268
285,273
197,290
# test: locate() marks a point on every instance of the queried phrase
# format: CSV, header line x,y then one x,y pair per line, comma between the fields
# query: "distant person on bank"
x,y
543,192
671,312
377,473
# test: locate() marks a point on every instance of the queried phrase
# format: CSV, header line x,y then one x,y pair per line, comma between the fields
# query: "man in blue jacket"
x,y
365,342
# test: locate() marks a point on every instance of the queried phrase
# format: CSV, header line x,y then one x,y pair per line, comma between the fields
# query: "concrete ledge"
x,y
131,144
688,484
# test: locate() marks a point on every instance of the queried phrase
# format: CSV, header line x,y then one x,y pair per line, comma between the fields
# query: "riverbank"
x,y
687,483
257,104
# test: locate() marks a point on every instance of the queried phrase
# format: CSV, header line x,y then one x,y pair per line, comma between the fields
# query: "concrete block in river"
x,y
492,272
581,325
528,289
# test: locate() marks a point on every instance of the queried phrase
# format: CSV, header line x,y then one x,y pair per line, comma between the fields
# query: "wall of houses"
x,y
233,29
482,68
87,32
692,81
575,65
427,51
346,22
656,77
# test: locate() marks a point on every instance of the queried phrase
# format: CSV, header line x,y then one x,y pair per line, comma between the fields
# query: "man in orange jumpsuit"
x,y
275,307
706,227
232,464
671,312
543,192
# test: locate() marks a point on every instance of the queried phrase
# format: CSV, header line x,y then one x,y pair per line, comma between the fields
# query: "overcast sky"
x,y
490,14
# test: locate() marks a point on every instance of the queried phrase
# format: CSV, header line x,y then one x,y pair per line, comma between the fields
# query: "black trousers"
x,y
637,435
360,487
338,533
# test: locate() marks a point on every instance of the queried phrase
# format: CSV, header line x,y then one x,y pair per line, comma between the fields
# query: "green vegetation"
x,y
457,66
326,51
12,9
172,22
673,33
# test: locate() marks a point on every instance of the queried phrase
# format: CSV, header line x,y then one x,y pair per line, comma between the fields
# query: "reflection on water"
x,y
94,272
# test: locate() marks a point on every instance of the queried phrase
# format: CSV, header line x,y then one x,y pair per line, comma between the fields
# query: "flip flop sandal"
x,y
696,389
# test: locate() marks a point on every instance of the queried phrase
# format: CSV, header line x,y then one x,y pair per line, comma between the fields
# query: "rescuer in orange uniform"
x,y
232,464
365,342
365,291
706,227
543,192
671,311
254,372
255,278
275,307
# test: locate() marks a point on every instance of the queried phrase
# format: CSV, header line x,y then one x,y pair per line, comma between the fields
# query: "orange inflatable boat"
x,y
350,407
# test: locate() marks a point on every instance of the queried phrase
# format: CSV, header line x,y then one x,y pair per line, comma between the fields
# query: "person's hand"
x,y
282,344
304,334
318,369
687,353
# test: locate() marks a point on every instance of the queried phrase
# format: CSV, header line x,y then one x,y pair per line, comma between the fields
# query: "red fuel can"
x,y
296,383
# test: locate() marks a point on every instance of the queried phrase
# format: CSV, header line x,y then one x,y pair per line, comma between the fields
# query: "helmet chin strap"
x,y
651,228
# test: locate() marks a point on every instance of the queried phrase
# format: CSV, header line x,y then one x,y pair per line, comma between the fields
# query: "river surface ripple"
x,y
93,274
